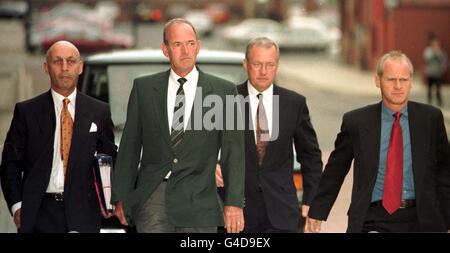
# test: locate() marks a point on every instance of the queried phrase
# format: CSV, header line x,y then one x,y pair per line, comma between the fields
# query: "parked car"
x,y
145,12
219,12
298,36
248,29
202,22
91,30
13,9
309,32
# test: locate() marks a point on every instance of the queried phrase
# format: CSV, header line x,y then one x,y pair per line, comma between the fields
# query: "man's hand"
x,y
17,218
234,219
312,225
219,177
118,211
305,209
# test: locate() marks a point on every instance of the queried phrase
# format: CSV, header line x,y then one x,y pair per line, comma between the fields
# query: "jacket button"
x,y
175,160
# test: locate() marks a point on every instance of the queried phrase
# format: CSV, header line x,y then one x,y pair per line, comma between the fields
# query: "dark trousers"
x,y
432,81
51,217
378,220
263,224
152,216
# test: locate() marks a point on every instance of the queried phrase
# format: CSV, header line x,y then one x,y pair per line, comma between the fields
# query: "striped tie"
x,y
262,130
178,115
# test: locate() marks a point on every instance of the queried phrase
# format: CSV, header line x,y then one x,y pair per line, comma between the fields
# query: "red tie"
x,y
393,180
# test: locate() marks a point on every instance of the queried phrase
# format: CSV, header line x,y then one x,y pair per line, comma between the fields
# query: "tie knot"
x,y
259,96
397,115
181,80
66,101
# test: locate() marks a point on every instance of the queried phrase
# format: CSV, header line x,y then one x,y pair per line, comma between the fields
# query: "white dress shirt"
x,y
56,182
189,88
267,97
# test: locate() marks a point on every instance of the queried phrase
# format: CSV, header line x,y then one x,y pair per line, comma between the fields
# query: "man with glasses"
x,y
275,119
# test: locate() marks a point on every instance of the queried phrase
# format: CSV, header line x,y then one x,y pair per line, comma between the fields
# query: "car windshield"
x,y
120,79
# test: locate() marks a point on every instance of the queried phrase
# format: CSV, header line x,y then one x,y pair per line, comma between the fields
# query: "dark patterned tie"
x,y
178,115
66,133
262,130
393,180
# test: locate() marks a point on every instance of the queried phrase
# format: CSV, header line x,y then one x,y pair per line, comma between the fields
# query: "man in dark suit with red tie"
x,y
46,170
276,119
401,174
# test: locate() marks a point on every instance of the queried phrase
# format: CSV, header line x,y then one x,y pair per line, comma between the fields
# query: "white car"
x,y
202,22
296,34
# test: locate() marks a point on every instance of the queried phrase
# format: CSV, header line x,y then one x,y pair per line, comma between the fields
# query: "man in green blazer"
x,y
164,179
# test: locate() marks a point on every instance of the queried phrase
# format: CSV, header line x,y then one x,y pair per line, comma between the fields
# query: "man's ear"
x,y
378,81
164,49
81,68
245,64
46,67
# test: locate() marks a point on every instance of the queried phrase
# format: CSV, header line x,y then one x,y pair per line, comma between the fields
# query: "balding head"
x,y
63,65
62,44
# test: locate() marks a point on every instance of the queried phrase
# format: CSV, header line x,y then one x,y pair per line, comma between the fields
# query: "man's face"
x,y
395,84
261,66
63,65
182,48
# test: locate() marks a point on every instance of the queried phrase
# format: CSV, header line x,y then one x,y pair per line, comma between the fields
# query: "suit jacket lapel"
x,y
46,121
418,130
160,103
248,121
81,126
282,104
370,135
45,115
206,89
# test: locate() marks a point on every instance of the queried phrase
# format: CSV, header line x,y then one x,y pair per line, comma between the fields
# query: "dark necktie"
x,y
66,133
178,115
393,180
262,130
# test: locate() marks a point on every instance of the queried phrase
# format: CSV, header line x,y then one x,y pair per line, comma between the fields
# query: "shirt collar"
x,y
191,78
254,92
58,98
387,113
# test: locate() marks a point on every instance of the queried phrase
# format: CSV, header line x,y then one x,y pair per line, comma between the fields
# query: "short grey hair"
x,y
176,21
393,55
261,42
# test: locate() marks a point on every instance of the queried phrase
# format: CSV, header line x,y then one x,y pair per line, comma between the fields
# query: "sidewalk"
x,y
340,78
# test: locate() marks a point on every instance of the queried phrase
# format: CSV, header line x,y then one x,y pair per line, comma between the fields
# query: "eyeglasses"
x,y
268,65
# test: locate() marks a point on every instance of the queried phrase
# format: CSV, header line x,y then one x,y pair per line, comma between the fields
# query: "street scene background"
x,y
335,79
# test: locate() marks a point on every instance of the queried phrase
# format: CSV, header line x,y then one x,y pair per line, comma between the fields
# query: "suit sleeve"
x,y
443,167
128,157
106,143
232,159
308,153
12,159
334,174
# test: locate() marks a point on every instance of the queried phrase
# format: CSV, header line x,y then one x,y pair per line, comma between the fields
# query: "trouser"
x,y
51,217
152,216
262,224
379,220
